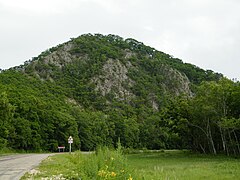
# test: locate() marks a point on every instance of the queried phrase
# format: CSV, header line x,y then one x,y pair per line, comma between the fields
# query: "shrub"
x,y
105,163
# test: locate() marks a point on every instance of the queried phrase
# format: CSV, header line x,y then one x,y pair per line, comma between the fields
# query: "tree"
x,y
211,109
6,116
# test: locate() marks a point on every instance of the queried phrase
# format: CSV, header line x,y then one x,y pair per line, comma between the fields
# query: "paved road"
x,y
13,167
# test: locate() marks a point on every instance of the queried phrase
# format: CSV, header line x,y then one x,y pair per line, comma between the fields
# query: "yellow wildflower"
x,y
101,173
112,158
113,174
130,178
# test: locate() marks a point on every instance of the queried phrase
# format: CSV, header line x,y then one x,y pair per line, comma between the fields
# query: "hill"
x,y
100,88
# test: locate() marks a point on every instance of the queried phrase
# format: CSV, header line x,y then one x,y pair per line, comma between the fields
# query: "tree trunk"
x,y
211,139
202,149
223,139
208,135
231,142
236,141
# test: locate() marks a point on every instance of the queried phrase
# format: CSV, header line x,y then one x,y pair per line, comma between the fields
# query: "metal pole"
x,y
70,148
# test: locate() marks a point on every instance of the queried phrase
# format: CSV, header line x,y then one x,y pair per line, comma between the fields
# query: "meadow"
x,y
183,165
110,164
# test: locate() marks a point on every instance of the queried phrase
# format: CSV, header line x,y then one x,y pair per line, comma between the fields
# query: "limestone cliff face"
x,y
175,81
114,80
60,57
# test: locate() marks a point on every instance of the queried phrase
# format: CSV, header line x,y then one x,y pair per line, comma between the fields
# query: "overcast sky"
x,y
202,32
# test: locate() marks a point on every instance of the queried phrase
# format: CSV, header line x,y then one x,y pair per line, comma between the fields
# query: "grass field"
x,y
140,166
105,164
183,165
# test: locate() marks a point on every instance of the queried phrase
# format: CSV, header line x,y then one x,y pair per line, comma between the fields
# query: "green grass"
x,y
141,166
53,166
104,164
6,151
183,165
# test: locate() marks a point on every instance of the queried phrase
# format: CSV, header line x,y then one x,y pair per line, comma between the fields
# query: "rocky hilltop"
x,y
117,69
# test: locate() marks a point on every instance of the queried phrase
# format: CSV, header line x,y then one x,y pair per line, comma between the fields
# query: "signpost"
x,y
70,141
61,148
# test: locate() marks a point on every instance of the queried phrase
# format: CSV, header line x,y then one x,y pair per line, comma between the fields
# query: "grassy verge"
x,y
183,165
111,164
6,151
104,164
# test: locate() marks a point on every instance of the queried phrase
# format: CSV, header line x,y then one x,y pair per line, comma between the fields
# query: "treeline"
x,y
37,116
214,117
34,115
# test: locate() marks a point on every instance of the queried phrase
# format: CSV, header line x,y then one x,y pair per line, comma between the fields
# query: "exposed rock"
x,y
60,57
73,102
175,81
113,80
34,172
129,54
152,100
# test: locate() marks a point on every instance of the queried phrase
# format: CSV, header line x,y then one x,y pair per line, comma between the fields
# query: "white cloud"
x,y
148,28
40,6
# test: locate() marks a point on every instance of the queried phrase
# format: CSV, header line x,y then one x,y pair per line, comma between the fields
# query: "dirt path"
x,y
13,167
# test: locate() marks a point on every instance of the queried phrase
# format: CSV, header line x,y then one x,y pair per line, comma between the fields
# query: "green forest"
x,y
100,89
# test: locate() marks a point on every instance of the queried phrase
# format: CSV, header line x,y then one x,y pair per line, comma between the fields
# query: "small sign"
x,y
70,140
61,148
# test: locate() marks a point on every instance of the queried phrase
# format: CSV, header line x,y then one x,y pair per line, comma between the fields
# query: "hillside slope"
x,y
117,69
98,89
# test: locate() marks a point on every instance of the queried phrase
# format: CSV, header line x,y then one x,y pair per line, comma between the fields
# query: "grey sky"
x,y
202,32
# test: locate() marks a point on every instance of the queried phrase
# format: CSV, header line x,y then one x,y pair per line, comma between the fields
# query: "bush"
x,y
105,164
